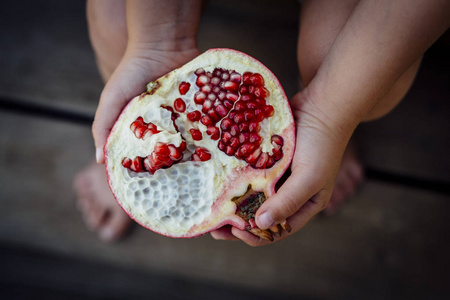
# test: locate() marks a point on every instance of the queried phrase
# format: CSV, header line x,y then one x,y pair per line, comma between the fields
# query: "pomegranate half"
x,y
203,147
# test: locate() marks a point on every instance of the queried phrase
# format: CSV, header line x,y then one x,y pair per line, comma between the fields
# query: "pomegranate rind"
x,y
214,182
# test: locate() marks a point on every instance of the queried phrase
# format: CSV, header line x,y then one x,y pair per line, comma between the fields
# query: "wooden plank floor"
x,y
390,242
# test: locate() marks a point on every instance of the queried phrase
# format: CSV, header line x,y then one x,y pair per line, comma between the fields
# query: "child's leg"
x,y
108,33
320,23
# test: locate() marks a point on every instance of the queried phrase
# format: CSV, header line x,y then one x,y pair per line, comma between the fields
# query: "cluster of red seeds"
x,y
235,100
163,155
240,129
143,130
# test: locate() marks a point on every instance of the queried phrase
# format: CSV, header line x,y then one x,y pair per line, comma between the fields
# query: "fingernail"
x,y
99,155
265,221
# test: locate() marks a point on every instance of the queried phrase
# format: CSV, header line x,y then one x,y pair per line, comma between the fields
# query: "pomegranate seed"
x,y
240,106
140,131
269,111
247,97
194,115
221,95
199,71
260,102
221,145
139,121
234,129
217,90
155,161
175,153
262,161
212,97
231,86
202,80
195,157
217,72
207,104
243,127
228,104
243,90
126,162
207,88
225,76
149,133
233,97
261,92
182,146
253,158
226,137
243,137
246,78
215,80
147,165
255,139
221,110
256,79
259,114
209,74
252,105
199,97
249,115
206,120
196,134
213,115
235,77
214,132
254,127
203,154
226,123
229,151
234,142
247,148
277,140
270,162
161,149
251,89
136,166
239,118
179,105
184,87
152,126
232,114
277,154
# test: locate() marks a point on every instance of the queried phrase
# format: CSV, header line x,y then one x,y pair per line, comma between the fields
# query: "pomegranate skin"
x,y
188,198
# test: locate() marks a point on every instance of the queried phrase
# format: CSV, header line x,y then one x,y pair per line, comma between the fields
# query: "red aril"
x,y
203,147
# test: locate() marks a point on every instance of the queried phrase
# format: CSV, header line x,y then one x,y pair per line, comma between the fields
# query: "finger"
x,y
287,201
224,233
249,238
126,83
311,208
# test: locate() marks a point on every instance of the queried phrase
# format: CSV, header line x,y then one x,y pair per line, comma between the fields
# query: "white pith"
x,y
180,199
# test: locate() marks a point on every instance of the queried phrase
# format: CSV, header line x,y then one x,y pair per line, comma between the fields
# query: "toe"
x,y
115,227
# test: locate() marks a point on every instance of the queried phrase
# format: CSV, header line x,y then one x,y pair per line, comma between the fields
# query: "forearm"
x,y
378,43
169,25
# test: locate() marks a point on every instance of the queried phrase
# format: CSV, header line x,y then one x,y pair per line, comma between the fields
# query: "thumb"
x,y
291,196
124,84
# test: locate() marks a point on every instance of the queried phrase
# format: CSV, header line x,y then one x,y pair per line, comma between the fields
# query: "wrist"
x,y
312,110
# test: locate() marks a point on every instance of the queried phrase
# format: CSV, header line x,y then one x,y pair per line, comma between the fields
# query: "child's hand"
x,y
318,154
137,68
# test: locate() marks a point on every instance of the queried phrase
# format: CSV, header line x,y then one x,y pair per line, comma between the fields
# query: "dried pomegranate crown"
x,y
203,147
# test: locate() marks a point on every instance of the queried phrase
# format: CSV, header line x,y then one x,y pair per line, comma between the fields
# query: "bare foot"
x,y
349,176
100,210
